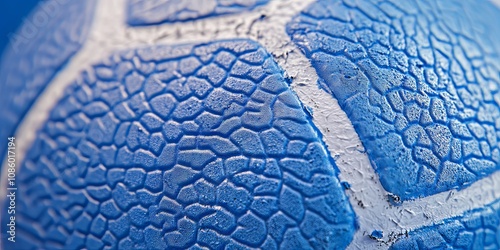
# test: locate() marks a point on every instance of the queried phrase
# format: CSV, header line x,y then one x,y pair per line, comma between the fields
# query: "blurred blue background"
x,y
12,14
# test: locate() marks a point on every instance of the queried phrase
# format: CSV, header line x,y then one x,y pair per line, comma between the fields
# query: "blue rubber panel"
x,y
181,147
478,229
147,12
418,80
48,38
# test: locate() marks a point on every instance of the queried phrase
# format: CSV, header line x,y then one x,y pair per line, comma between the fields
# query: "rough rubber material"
x,y
185,147
419,82
146,12
53,33
478,229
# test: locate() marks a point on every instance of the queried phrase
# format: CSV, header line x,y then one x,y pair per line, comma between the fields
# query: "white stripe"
x,y
368,198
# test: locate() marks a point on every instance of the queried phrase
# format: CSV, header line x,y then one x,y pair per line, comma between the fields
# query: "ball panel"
x,y
184,146
147,12
419,83
477,229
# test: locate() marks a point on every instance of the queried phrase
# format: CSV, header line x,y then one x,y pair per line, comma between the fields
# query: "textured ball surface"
x,y
184,146
229,124
419,83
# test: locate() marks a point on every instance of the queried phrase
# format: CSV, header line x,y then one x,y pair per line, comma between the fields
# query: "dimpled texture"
x,y
478,229
419,81
146,12
51,35
184,147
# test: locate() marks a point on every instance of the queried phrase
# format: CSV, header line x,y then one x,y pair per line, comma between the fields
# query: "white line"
x,y
367,196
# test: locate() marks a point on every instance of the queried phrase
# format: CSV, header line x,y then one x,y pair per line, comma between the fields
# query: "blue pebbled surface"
x,y
418,79
186,147
478,229
146,12
51,35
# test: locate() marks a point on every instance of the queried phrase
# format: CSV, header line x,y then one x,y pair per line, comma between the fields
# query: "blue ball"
x,y
228,124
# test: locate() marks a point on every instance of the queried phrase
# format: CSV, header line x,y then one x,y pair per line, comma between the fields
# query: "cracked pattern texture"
x,y
478,229
146,12
418,79
52,34
184,147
